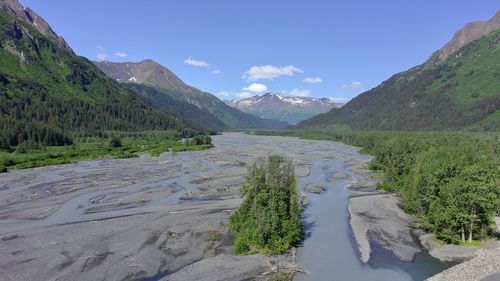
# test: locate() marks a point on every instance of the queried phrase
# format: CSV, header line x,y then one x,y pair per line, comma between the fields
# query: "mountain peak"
x,y
470,32
15,9
147,72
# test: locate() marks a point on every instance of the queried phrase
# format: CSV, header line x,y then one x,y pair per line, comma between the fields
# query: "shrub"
x,y
115,141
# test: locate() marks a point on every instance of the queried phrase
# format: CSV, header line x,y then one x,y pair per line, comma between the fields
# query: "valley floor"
x,y
166,218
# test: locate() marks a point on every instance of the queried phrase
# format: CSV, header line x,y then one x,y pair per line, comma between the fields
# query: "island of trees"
x,y
269,219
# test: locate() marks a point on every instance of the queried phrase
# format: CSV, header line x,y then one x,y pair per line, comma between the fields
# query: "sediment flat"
x,y
132,219
377,215
485,266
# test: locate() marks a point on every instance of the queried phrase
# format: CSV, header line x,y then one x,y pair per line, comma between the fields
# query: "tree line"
x,y
449,180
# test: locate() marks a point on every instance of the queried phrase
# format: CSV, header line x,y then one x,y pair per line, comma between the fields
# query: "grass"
x,y
88,149
473,243
472,74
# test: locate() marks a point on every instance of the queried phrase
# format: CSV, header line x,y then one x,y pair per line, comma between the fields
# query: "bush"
x,y
201,140
115,141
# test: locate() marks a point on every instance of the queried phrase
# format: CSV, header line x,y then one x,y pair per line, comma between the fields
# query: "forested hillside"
x,y
47,92
459,92
181,109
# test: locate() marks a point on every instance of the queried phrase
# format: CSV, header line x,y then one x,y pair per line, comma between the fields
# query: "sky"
x,y
235,49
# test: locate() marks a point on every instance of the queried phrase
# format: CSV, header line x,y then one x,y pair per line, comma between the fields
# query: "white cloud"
x,y
228,95
216,71
340,99
269,72
197,63
101,56
100,48
223,94
353,85
121,54
300,93
312,80
244,95
256,88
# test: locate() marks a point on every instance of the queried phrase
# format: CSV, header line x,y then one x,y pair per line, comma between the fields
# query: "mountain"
x,y
457,87
284,108
46,90
15,9
167,85
177,107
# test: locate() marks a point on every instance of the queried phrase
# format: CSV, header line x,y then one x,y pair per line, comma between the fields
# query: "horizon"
x,y
329,56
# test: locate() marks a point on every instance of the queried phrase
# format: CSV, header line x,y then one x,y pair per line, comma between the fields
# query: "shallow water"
x,y
328,252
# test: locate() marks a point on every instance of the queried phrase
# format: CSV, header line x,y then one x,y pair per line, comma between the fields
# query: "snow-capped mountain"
x,y
285,108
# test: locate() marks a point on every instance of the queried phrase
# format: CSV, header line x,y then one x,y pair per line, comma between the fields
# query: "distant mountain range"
x,y
457,87
162,87
285,108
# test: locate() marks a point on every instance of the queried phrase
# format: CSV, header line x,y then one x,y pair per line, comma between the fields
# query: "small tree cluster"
x,y
269,219
201,140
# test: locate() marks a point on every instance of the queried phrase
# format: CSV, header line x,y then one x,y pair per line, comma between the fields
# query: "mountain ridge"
x,y
46,91
285,108
14,8
468,33
459,92
152,74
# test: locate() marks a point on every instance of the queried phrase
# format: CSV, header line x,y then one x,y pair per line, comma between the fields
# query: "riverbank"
x,y
376,215
485,266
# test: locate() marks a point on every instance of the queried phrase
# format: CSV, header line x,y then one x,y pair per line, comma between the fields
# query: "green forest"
x,y
109,144
448,180
269,219
48,94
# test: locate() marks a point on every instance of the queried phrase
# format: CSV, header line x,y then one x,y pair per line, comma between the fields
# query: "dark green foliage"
x,y
115,141
462,91
449,180
114,144
269,219
202,139
48,94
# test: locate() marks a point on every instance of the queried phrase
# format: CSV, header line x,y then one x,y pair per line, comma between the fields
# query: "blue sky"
x,y
237,48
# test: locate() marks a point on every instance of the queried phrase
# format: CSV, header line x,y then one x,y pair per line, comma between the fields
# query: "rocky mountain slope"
x,y
45,89
284,108
457,87
15,9
167,85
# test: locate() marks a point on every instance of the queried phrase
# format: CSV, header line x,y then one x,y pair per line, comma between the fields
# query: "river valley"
x,y
166,218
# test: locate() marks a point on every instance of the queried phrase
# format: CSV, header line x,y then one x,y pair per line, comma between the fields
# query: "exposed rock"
x,y
14,8
484,266
467,34
448,252
312,188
